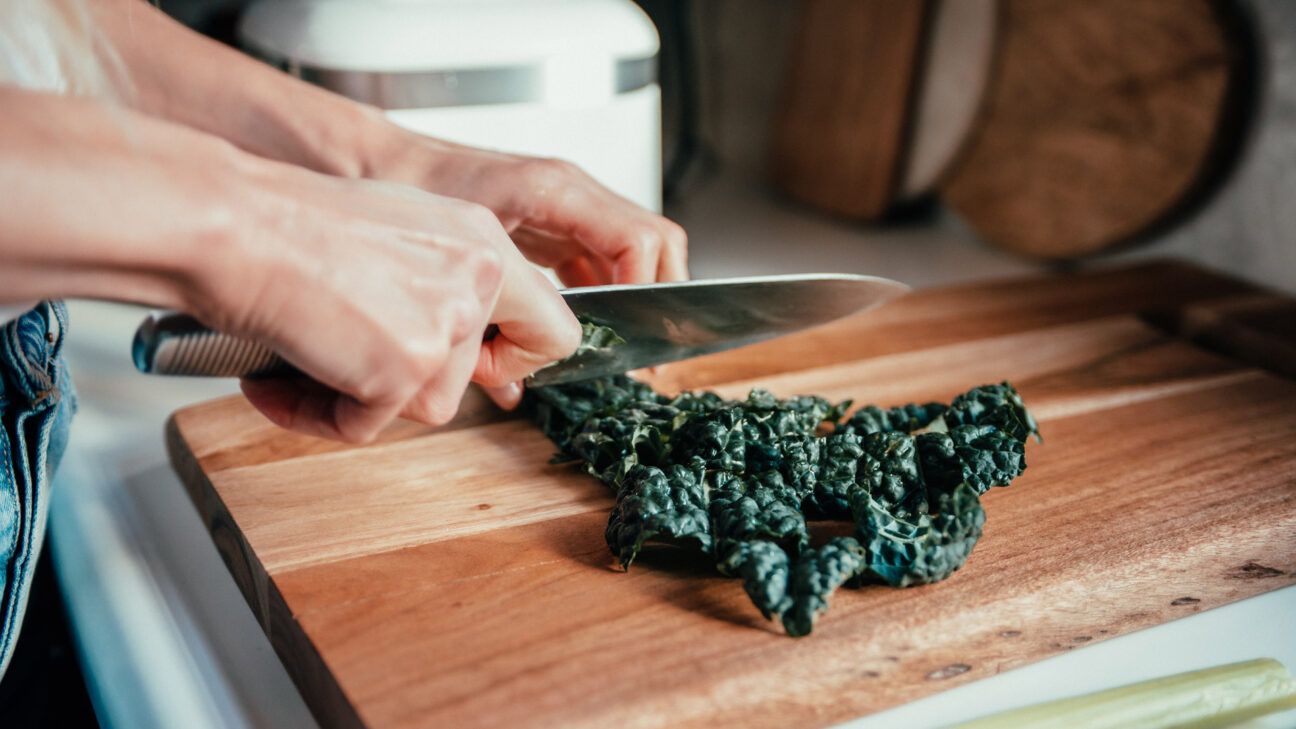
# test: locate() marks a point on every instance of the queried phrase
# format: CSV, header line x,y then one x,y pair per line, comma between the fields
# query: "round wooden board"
x,y
1101,117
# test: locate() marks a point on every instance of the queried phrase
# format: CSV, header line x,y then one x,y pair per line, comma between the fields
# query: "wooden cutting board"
x,y
1105,121
455,578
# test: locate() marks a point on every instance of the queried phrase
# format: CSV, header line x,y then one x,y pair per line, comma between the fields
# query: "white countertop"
x,y
167,639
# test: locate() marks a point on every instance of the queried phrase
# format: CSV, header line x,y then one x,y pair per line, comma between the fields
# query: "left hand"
x,y
556,214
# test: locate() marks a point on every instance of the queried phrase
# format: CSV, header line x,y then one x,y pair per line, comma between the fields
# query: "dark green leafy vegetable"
x,y
738,479
764,568
794,589
652,505
922,549
998,405
817,574
760,506
888,472
904,419
595,337
839,459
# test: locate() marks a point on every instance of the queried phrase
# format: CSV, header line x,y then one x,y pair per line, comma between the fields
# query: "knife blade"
x,y
660,323
674,321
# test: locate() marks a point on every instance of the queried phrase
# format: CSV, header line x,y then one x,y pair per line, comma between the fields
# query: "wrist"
x,y
392,153
238,254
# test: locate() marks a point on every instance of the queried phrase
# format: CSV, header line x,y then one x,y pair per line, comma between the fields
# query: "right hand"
x,y
381,294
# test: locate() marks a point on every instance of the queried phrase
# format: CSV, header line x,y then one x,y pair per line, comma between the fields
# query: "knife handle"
x,y
170,343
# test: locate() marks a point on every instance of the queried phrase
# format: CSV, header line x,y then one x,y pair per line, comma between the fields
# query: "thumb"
x,y
515,353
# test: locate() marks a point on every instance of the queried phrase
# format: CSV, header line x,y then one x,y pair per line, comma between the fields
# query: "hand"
x,y
558,215
381,294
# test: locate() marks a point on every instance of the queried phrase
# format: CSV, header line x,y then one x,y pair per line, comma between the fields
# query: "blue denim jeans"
x,y
36,406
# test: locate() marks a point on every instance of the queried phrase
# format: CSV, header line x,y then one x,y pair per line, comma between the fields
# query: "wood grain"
x,y
1102,118
452,578
840,130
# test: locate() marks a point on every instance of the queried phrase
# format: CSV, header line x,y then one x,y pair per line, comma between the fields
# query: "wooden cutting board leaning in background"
x,y
1055,129
842,125
456,578
878,100
1104,121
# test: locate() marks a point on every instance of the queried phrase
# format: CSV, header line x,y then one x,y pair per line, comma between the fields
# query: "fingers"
x,y
580,271
535,328
522,348
306,406
564,202
575,264
507,397
643,247
438,400
636,260
673,263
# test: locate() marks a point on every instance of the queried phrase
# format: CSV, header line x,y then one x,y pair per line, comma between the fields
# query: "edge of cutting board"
x,y
290,642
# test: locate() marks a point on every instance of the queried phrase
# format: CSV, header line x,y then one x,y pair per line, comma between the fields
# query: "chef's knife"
x,y
660,323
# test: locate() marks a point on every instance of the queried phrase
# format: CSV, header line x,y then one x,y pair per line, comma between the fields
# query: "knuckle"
x,y
436,409
466,318
479,216
455,250
646,238
548,173
357,434
371,389
488,273
497,378
675,234
418,361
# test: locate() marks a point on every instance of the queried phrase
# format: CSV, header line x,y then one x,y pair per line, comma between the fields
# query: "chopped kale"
x,y
765,569
658,506
815,577
927,548
904,419
998,405
738,479
795,590
840,454
595,337
756,507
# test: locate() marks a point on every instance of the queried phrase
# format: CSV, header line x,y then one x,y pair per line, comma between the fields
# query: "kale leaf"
x,y
738,479
904,419
760,506
918,550
817,574
765,570
794,590
840,454
595,337
998,405
659,506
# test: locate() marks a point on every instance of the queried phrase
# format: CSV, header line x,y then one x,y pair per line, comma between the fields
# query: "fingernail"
x,y
507,396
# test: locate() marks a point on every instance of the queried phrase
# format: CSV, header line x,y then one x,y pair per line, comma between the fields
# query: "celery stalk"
x,y
1212,697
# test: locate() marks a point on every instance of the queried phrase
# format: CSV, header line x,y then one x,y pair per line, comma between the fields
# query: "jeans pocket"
x,y
34,418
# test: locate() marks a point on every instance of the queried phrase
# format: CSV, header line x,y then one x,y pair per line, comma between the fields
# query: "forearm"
x,y
97,202
182,76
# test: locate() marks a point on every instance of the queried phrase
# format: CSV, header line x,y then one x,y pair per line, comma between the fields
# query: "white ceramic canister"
x,y
574,79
